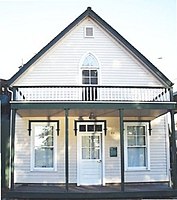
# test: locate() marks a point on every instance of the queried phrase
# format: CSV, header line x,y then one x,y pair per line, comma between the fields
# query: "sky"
x,y
26,26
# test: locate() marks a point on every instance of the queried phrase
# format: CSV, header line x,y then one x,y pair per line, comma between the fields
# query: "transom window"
x,y
43,145
90,60
136,145
90,128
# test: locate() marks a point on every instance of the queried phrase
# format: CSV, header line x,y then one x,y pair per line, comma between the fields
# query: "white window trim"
x,y
147,167
87,36
33,168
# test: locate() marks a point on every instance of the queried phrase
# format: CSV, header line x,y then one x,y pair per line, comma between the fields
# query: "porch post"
x,y
122,148
12,145
66,150
173,151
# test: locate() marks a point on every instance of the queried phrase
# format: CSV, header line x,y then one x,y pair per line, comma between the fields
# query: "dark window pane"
x,y
82,128
85,80
98,127
94,73
85,73
94,81
90,128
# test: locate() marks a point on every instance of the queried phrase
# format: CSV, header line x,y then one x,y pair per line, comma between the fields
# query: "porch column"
x,y
173,151
12,149
122,148
66,150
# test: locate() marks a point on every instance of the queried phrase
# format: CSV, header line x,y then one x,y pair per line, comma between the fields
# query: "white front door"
x,y
90,160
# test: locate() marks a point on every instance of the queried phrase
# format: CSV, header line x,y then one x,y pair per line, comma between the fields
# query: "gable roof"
x,y
90,13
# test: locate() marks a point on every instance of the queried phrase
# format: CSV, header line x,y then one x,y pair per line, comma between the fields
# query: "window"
x,y
136,140
90,77
43,145
89,32
90,60
89,70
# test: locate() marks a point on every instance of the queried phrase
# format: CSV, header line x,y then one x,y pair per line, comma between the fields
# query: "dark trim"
x,y
122,149
66,150
12,147
97,105
85,121
173,151
33,121
110,30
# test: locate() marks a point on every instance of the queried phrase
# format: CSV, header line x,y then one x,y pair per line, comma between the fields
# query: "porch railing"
x,y
91,93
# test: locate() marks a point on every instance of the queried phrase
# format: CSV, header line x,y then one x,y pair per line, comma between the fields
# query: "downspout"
x,y
11,141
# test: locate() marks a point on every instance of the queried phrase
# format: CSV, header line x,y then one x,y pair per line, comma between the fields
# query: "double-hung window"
x,y
43,145
136,146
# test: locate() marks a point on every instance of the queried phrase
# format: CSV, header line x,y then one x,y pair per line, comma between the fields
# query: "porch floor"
x,y
110,191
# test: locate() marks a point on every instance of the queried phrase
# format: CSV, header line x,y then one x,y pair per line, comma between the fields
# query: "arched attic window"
x,y
90,60
90,68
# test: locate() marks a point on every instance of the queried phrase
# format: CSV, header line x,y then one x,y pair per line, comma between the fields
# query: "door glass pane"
x,y
90,147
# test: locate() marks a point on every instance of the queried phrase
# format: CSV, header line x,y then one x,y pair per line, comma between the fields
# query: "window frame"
x,y
147,147
85,32
89,68
55,125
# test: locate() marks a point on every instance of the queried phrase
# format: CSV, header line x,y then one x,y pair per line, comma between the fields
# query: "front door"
x,y
90,161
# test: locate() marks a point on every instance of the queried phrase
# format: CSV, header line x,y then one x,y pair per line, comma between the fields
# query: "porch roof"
x,y
141,110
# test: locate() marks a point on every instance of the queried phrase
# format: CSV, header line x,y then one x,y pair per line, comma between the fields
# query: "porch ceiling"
x,y
143,114
139,110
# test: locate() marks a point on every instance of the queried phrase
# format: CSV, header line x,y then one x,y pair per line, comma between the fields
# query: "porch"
x,y
110,191
145,107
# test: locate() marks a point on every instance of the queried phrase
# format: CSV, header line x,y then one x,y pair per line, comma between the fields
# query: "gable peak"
x,y
89,8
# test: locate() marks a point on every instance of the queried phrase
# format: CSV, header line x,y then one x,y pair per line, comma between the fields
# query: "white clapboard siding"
x,y
23,173
61,64
158,154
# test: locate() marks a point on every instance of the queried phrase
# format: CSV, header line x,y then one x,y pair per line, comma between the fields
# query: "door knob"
x,y
99,161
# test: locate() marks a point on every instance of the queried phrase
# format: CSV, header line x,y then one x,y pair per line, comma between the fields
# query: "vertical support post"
x,y
66,150
12,147
173,151
122,149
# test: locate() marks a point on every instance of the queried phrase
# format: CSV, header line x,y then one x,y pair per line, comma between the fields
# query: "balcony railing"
x,y
91,93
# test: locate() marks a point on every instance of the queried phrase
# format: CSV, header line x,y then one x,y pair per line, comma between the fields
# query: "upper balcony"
x,y
91,93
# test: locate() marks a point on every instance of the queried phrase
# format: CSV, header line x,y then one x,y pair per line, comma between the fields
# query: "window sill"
x,y
43,170
137,169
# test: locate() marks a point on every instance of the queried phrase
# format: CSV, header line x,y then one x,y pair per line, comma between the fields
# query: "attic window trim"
x,y
86,33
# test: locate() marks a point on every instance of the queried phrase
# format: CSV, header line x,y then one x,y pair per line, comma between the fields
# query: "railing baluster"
x,y
91,93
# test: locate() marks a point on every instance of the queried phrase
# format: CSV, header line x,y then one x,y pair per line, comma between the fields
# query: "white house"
x,y
89,109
